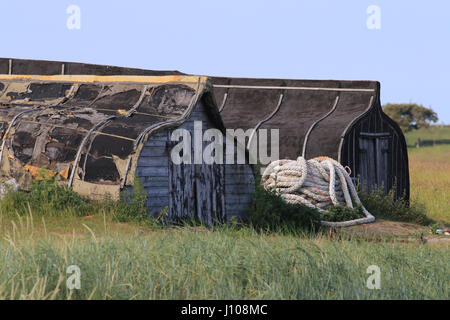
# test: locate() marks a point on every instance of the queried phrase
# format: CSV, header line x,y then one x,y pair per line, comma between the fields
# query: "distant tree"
x,y
410,116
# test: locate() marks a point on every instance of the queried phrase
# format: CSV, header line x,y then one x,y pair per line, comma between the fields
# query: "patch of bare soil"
x,y
386,228
439,240
391,231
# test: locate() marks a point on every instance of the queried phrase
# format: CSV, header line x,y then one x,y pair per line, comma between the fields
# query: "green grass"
x,y
269,212
47,198
227,263
387,208
433,133
122,257
430,180
430,171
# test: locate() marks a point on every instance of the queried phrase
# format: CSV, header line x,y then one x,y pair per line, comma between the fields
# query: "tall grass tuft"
x,y
269,212
224,264
132,204
386,207
46,197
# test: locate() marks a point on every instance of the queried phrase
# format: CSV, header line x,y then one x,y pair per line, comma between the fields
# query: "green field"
x,y
196,263
430,172
432,135
430,180
136,260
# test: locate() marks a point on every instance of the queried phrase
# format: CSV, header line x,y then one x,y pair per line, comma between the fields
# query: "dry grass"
x,y
196,263
430,180
435,133
138,261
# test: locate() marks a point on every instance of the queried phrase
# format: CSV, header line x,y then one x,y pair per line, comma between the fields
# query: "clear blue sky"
x,y
316,39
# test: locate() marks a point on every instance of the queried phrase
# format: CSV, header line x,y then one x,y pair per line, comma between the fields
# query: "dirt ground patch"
x,y
386,228
394,231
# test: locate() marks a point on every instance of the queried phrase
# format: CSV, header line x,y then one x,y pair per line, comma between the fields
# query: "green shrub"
x,y
14,202
386,207
269,212
46,197
47,194
131,206
341,213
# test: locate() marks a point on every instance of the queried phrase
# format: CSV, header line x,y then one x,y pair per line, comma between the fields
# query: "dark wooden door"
x,y
382,164
3,128
374,161
209,188
210,195
181,200
197,192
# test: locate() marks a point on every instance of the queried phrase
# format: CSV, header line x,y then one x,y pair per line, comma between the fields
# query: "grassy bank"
x,y
136,262
433,135
430,180
121,257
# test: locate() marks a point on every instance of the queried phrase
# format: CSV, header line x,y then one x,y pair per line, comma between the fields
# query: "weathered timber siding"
x,y
153,171
377,159
211,193
208,178
40,67
239,188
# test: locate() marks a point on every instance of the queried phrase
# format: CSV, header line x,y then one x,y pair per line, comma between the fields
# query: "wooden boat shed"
x,y
343,120
339,119
97,133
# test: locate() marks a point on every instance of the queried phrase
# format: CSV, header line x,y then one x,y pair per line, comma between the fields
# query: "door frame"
x,y
376,137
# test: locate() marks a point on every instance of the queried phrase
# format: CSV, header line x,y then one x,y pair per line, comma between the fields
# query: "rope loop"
x,y
317,183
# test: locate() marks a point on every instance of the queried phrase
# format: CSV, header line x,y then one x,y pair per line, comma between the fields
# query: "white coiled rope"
x,y
313,183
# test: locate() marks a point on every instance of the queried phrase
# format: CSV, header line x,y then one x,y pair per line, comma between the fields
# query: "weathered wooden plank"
x,y
152,171
158,136
371,166
157,140
239,175
368,163
237,208
156,184
218,192
153,179
175,195
189,195
182,200
382,146
249,184
201,176
156,205
151,158
210,192
363,162
385,156
153,162
156,143
155,151
155,192
238,189
158,202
